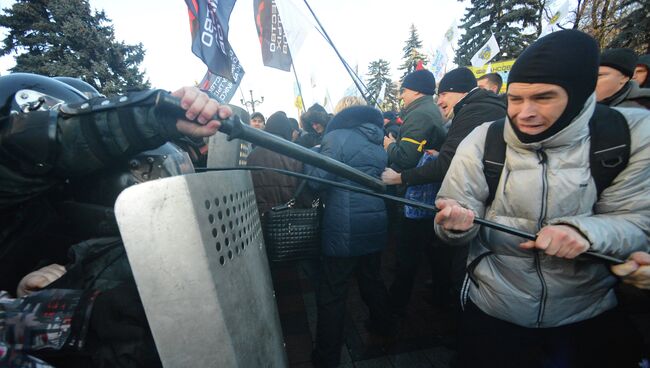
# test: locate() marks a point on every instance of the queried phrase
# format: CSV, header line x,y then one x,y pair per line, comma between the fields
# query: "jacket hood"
x,y
479,95
629,91
637,92
314,115
368,119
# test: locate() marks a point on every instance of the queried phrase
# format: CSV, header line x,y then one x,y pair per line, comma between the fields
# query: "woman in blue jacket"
x,y
353,231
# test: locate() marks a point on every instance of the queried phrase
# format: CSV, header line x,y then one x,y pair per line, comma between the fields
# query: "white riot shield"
x,y
196,249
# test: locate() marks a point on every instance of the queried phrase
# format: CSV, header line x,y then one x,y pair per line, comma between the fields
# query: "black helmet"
x,y
102,188
79,84
22,92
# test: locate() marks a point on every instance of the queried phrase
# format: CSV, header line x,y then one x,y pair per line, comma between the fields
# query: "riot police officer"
x,y
63,159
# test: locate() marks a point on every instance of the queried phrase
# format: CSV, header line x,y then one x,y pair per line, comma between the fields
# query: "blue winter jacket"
x,y
354,224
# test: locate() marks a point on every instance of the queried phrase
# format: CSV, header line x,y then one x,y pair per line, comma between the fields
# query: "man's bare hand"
x,y
388,140
39,279
636,271
452,216
391,177
200,111
560,241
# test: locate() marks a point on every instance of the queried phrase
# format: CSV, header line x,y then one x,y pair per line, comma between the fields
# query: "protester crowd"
x,y
522,303
564,154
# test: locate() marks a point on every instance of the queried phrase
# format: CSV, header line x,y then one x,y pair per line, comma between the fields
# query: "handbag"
x,y
425,193
291,233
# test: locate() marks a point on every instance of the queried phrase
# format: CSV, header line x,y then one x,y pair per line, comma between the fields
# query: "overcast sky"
x,y
362,30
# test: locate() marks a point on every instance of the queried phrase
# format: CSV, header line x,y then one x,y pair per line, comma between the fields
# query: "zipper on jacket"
x,y
538,266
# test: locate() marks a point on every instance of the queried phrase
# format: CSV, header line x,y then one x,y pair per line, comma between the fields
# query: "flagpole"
x,y
302,100
345,64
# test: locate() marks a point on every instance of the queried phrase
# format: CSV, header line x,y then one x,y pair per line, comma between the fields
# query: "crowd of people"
x,y
564,154
524,303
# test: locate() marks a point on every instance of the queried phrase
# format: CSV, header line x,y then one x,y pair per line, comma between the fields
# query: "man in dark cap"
x,y
423,125
422,129
615,85
257,120
533,303
642,71
458,96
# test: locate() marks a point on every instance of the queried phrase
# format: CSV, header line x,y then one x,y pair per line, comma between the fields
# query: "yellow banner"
x,y
500,67
298,104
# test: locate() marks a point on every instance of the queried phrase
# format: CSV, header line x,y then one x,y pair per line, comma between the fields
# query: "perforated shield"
x,y
196,249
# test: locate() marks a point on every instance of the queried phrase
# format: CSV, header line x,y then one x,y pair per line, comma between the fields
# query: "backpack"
x,y
609,151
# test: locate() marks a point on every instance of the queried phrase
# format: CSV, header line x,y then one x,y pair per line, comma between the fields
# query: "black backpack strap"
x,y
494,156
609,151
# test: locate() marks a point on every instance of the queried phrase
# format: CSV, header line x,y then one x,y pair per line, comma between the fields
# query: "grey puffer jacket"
x,y
546,183
630,95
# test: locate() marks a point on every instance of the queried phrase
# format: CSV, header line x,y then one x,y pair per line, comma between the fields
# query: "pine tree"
x,y
63,38
514,23
633,26
378,78
623,23
412,53
391,99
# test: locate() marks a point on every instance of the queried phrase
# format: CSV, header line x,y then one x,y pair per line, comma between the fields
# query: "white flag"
x,y
486,53
438,63
380,97
296,23
558,16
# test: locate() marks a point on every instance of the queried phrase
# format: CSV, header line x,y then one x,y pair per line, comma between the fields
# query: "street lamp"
x,y
252,101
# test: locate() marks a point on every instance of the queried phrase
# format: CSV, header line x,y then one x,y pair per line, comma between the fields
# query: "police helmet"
x,y
79,84
25,92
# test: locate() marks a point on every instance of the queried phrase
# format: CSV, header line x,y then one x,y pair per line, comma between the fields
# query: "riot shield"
x,y
196,249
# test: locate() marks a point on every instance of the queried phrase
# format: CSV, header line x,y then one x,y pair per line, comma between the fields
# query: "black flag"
x,y
209,26
221,88
275,49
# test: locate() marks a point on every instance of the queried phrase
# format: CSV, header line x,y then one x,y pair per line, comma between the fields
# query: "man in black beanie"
x,y
423,126
458,97
615,85
533,303
422,129
642,71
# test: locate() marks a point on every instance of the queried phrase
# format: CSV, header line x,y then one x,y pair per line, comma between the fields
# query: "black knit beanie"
x,y
421,81
278,124
566,58
458,80
644,60
623,60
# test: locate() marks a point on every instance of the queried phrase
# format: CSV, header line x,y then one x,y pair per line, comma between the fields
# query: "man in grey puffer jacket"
x,y
532,303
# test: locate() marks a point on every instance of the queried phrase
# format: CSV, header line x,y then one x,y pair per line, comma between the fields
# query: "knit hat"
x,y
421,81
458,80
644,60
566,58
623,60
278,124
294,124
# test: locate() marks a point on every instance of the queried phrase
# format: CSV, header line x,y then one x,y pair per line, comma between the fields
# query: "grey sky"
x,y
363,30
